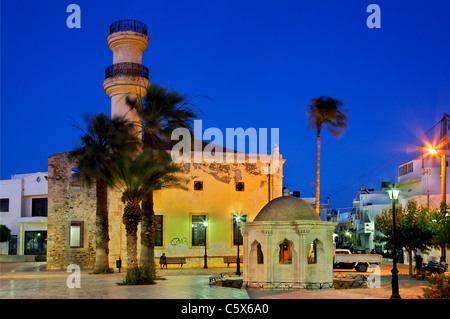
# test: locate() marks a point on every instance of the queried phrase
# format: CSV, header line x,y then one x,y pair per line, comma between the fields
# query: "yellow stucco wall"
x,y
218,200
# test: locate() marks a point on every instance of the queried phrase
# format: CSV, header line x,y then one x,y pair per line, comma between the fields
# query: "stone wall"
x,y
64,206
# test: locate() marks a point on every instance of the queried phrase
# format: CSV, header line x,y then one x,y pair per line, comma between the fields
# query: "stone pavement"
x,y
32,280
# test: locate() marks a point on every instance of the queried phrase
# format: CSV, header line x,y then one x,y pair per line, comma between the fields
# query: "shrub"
x,y
106,270
143,275
40,258
439,288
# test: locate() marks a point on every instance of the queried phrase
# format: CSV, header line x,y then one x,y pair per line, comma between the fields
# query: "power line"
x,y
373,171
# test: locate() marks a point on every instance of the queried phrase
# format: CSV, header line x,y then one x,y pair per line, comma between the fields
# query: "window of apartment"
x,y
405,169
12,247
39,207
4,205
159,230
198,230
76,234
35,242
237,235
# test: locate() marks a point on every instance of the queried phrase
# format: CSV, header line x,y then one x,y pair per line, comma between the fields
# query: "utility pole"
x,y
444,145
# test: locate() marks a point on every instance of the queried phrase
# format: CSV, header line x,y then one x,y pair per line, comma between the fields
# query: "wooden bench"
x,y
176,260
232,260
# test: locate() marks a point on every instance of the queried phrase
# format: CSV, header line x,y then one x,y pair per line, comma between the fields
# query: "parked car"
x,y
344,259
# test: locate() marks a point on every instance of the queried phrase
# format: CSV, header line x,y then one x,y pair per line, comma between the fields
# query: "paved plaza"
x,y
32,280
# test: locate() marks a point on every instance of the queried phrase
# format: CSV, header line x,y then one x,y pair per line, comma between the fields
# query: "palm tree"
x,y
161,112
104,139
325,111
167,176
135,174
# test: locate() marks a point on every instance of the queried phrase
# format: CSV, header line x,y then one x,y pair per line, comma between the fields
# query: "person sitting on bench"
x,y
163,261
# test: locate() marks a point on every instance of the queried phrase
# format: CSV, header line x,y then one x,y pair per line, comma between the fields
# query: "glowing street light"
x,y
434,151
393,195
205,224
238,219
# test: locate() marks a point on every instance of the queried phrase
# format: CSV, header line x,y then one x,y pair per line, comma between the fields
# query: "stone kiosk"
x,y
288,246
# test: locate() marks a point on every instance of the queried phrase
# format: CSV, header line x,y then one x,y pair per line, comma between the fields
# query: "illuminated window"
x,y
76,234
312,255
198,230
285,256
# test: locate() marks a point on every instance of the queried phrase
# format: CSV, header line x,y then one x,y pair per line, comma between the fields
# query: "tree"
x,y
161,112
134,175
325,111
412,228
5,234
102,141
440,226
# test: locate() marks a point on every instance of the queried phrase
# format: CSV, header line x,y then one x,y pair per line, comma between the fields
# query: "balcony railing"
x,y
128,25
126,69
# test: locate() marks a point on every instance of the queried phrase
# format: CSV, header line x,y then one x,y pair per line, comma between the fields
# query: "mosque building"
x,y
217,192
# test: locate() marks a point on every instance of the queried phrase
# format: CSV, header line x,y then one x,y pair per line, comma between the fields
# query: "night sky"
x,y
251,64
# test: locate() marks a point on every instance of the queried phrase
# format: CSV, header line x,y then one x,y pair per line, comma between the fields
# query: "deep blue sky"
x,y
259,62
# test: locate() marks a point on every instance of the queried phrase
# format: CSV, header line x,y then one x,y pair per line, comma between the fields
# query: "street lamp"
x,y
205,224
434,151
238,218
393,195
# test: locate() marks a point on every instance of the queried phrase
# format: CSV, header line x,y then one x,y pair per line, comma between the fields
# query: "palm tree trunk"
x,y
102,227
148,228
131,218
317,202
148,225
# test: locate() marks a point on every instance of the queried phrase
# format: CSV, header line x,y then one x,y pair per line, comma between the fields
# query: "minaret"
x,y
126,76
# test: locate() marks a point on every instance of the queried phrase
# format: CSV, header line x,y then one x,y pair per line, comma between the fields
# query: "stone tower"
x,y
126,76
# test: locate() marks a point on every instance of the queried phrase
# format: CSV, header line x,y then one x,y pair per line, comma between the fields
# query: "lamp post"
x,y
434,151
237,218
393,195
205,224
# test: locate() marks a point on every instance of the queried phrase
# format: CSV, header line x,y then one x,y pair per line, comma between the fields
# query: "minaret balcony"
x,y
128,25
127,69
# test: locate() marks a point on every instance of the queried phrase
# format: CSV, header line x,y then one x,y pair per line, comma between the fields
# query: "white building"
x,y
418,180
369,203
421,181
23,209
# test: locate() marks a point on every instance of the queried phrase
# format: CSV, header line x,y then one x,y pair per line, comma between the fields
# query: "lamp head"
x,y
433,151
205,223
393,193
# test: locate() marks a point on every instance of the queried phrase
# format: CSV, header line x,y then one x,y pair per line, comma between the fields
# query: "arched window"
x,y
285,252
312,255
259,255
